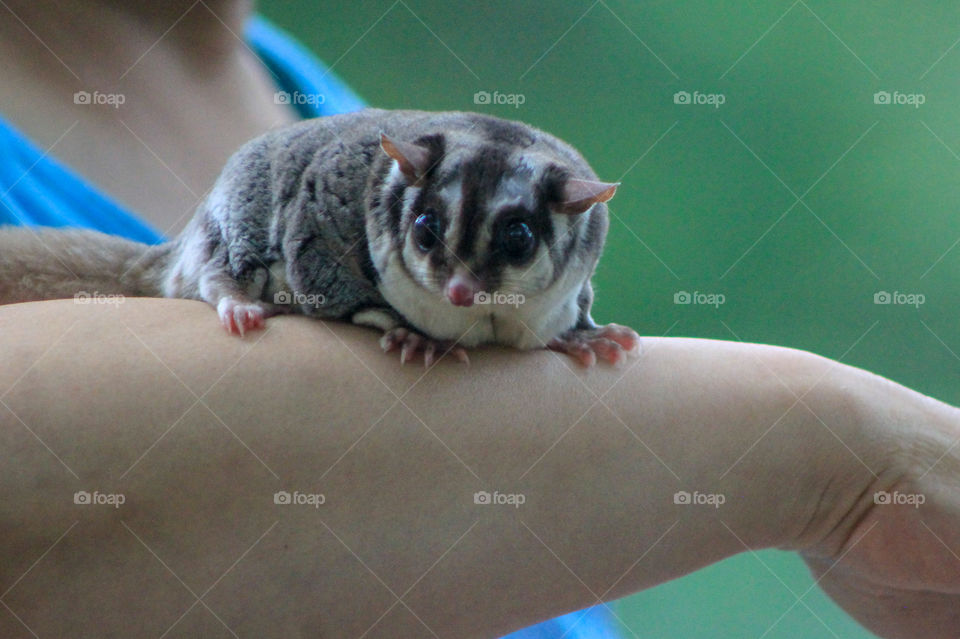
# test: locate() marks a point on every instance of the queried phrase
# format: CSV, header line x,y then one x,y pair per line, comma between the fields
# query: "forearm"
x,y
198,430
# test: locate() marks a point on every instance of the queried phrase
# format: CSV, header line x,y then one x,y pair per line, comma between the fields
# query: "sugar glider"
x,y
444,230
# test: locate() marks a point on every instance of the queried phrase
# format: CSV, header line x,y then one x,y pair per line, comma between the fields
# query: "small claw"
x,y
429,354
225,312
410,347
411,343
238,318
227,322
393,338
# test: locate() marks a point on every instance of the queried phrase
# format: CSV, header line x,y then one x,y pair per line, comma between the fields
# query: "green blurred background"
x,y
709,201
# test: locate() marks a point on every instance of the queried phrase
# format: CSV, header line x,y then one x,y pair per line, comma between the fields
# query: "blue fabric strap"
x,y
37,190
308,85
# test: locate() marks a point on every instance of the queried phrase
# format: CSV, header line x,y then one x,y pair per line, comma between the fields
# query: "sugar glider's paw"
x,y
411,344
239,317
612,343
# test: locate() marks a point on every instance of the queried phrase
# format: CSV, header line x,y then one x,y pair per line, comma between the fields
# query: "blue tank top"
x,y
37,190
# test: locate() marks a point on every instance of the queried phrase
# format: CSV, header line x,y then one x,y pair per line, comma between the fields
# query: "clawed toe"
x,y
412,344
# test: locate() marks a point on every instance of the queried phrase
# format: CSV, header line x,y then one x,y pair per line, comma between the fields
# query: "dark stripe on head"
x,y
563,247
596,230
393,207
366,263
387,199
582,236
436,145
561,240
425,199
481,174
377,201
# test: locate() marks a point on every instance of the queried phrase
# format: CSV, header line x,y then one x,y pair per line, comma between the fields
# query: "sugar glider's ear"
x,y
413,159
578,195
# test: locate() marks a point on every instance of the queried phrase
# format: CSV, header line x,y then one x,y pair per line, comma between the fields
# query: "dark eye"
x,y
426,231
517,241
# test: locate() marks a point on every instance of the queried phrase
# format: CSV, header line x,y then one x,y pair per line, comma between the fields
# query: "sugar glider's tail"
x,y
42,264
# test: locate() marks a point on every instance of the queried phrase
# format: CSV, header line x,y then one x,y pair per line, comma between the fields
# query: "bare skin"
x,y
197,430
193,93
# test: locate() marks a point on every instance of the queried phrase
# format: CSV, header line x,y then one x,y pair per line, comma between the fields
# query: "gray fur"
x,y
319,209
39,263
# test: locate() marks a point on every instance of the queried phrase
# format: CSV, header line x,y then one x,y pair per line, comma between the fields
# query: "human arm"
x,y
198,430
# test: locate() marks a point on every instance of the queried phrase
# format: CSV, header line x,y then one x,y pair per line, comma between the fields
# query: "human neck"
x,y
100,41
192,90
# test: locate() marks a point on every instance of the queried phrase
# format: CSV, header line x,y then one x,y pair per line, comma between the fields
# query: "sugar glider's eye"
x,y
517,241
426,231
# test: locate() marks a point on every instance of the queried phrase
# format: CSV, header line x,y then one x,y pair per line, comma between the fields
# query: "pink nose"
x,y
460,294
461,289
